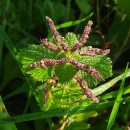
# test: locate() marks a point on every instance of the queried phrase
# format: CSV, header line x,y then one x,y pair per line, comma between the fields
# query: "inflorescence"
x,y
88,51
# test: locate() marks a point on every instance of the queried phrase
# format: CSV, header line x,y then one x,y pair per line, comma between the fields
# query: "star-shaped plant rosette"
x,y
65,60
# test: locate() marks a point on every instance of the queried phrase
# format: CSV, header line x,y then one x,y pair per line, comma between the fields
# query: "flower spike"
x,y
53,29
33,65
51,62
86,32
84,37
50,45
44,63
86,68
89,51
85,88
56,34
93,72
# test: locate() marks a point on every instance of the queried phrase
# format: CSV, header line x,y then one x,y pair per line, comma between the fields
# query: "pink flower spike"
x,y
93,72
53,29
62,60
75,46
64,47
33,65
86,32
50,45
89,51
56,34
76,63
86,68
44,63
48,62
84,37
82,83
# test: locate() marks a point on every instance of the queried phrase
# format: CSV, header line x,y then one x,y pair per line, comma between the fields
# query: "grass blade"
x,y
117,102
114,94
73,23
102,88
60,112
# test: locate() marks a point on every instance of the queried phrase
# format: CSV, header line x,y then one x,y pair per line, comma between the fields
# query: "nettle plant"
x,y
65,68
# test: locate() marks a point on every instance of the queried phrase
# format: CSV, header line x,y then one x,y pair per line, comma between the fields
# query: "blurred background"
x,y
22,22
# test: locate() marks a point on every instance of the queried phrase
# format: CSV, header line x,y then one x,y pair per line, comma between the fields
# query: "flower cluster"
x,y
89,51
44,63
61,46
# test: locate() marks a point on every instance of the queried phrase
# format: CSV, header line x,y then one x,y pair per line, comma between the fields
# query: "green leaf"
x,y
56,7
101,63
78,126
65,72
49,103
84,116
40,74
63,96
51,8
83,5
11,70
36,53
124,5
60,96
70,39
